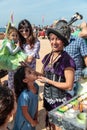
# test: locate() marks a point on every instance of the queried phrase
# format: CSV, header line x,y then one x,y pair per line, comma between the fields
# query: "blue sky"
x,y
35,10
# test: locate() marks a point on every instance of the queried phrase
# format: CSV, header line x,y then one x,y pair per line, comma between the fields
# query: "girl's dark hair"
x,y
26,24
19,85
6,103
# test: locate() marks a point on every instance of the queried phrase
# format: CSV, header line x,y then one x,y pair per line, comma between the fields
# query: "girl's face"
x,y
30,75
56,43
25,32
14,36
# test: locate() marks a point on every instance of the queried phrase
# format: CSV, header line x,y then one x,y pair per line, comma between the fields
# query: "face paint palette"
x,y
68,114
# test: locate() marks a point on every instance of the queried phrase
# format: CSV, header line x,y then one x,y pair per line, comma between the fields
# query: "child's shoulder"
x,y
24,93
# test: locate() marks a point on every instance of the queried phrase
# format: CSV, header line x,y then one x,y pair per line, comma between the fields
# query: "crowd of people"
x,y
61,72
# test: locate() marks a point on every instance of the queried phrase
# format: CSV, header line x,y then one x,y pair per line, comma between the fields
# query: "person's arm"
x,y
34,52
11,50
28,117
36,48
30,59
84,71
67,85
85,60
83,49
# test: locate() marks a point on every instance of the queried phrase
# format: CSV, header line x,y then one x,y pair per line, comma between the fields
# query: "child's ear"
x,y
25,80
10,117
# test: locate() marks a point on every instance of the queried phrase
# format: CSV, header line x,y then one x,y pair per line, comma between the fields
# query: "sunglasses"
x,y
24,30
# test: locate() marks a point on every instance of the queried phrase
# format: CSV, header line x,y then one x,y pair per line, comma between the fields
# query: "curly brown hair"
x,y
6,103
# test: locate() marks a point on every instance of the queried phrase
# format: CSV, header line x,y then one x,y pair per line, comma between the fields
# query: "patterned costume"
x,y
32,52
53,95
10,55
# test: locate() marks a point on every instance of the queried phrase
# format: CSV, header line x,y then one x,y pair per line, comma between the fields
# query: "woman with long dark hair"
x,y
30,44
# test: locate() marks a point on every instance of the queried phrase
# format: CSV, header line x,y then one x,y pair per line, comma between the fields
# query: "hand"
x,y
42,79
18,44
29,59
35,122
24,63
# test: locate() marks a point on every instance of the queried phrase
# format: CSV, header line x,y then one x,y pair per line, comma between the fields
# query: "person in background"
x,y
81,31
77,49
7,108
30,44
58,69
11,54
26,91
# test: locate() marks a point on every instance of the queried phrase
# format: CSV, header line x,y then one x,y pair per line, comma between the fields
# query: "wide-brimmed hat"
x,y
62,30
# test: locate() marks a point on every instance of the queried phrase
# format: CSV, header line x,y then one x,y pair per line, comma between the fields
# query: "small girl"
x,y
11,54
26,91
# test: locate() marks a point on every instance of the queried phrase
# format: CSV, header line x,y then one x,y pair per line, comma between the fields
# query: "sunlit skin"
x,y
14,36
25,32
57,46
56,43
30,77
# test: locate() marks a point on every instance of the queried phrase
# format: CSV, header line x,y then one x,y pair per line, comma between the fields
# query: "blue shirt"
x,y
26,98
77,49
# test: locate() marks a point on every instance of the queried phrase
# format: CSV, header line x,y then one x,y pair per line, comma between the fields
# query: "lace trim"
x,y
52,101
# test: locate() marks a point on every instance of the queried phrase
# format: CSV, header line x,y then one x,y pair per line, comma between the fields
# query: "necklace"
x,y
52,60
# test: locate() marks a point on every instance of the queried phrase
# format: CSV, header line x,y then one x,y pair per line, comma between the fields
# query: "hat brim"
x,y
57,34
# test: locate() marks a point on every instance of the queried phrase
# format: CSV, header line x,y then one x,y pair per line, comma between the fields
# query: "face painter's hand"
x,y
43,79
